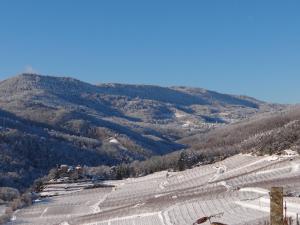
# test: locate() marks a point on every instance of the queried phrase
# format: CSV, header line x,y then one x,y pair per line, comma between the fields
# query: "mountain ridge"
x,y
72,121
53,82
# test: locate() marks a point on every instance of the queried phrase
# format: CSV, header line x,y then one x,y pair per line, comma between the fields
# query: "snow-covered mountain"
x,y
54,120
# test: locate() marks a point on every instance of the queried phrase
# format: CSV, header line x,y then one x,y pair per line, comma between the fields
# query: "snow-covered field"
x,y
236,189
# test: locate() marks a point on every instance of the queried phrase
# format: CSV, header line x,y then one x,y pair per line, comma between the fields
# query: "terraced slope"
x,y
235,190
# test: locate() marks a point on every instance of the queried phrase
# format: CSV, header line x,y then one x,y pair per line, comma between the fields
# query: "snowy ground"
x,y
236,189
2,209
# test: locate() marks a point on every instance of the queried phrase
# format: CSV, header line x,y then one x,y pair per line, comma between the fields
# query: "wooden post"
x,y
276,206
285,218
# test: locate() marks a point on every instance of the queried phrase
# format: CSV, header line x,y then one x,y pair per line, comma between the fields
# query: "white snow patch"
x,y
160,195
114,141
179,114
125,218
13,218
220,170
188,124
96,207
245,154
138,205
263,204
167,217
272,158
180,177
253,206
228,187
162,184
43,213
161,218
273,170
290,152
64,223
264,159
256,190
295,167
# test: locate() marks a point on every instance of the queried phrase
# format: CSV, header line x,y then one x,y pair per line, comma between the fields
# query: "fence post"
x,y
276,206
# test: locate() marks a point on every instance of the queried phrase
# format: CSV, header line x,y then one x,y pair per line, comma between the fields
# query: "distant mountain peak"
x,y
51,84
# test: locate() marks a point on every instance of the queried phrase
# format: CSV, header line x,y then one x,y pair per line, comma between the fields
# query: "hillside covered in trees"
x,y
45,121
267,134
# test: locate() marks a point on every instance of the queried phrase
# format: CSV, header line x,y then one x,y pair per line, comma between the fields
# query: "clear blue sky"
x,y
247,47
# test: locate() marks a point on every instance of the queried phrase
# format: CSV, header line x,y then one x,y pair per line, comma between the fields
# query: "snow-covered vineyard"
x,y
236,190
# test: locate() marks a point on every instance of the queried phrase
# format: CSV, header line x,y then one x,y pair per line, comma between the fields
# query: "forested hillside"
x,y
47,121
267,134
